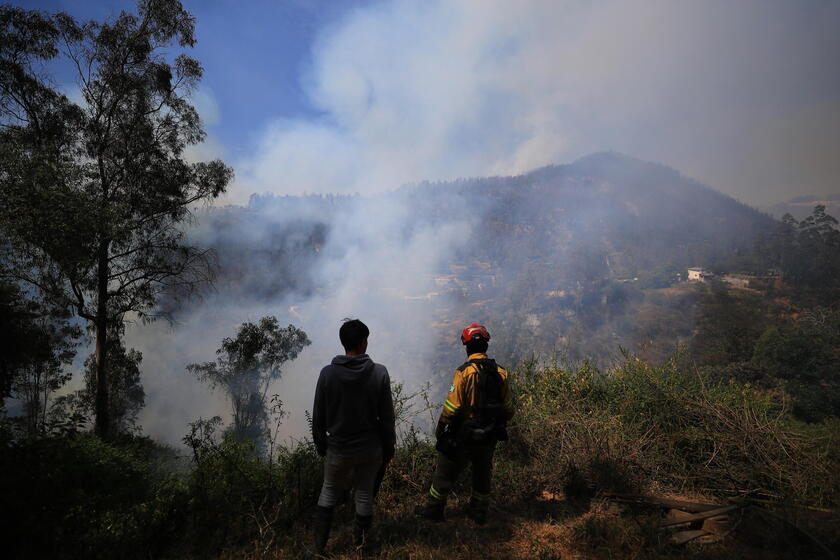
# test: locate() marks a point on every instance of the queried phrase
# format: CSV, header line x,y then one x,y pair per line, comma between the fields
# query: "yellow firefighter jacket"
x,y
462,397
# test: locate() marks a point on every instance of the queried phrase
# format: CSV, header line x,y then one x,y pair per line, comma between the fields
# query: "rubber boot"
x,y
362,537
433,511
323,524
477,511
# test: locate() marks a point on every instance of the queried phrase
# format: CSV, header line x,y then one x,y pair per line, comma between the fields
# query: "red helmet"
x,y
474,332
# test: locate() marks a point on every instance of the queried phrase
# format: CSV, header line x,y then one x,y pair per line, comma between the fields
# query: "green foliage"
x,y
127,396
126,393
579,431
797,352
638,426
411,469
808,255
245,367
36,343
239,496
804,357
115,179
93,196
728,325
82,498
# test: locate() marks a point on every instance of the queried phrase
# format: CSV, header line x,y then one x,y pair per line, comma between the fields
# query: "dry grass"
x,y
550,529
581,434
643,428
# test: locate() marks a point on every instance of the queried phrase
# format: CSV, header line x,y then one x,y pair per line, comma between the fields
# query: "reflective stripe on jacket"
x,y
462,398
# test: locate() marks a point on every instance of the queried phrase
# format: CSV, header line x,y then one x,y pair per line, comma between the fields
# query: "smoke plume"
x,y
743,96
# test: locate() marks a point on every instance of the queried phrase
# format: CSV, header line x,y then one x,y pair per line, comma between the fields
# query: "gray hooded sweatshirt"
x,y
353,411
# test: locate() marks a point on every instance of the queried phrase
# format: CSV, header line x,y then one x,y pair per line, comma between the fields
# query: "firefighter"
x,y
474,417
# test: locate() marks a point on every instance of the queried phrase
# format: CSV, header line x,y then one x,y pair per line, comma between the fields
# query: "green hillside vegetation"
x,y
649,386
581,434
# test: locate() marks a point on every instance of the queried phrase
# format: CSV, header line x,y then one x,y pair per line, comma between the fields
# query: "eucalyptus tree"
x,y
94,188
245,367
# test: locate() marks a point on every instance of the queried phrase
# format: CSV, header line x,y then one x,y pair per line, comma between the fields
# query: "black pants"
x,y
448,469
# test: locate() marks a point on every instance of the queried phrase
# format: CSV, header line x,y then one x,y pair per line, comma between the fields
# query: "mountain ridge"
x,y
604,201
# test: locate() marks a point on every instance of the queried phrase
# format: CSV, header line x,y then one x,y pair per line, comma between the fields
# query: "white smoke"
x,y
741,95
417,90
371,267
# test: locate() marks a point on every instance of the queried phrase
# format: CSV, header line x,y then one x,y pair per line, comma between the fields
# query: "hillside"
x,y
621,214
604,216
578,266
577,440
567,249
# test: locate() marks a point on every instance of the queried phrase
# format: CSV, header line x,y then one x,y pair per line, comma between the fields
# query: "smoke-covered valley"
x,y
194,196
563,259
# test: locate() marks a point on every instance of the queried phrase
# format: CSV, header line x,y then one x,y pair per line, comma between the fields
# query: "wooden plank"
x,y
676,515
700,516
717,525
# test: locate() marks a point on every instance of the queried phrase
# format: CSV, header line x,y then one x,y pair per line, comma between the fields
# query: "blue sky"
x,y
254,55
350,96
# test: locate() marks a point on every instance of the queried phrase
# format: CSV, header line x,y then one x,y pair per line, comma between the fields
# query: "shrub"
x,y
640,427
239,496
579,431
80,497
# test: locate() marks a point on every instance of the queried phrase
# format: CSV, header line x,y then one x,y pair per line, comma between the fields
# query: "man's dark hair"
x,y
477,346
352,333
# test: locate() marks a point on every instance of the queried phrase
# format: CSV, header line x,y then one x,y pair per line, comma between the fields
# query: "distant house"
x,y
698,274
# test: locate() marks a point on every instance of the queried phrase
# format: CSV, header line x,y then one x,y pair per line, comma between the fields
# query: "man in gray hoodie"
x,y
353,428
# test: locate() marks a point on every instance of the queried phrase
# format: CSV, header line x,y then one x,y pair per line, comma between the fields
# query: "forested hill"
x,y
604,216
566,247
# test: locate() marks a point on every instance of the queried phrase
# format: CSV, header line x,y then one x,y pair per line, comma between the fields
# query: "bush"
x,y
240,497
579,431
639,427
80,497
804,358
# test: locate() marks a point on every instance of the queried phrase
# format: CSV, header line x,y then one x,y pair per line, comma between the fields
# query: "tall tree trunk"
x,y
103,420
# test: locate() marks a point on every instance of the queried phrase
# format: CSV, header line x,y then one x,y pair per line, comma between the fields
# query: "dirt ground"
x,y
550,527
